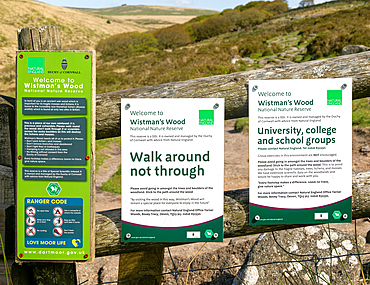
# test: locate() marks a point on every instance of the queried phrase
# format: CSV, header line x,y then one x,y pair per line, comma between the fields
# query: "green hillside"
x,y
149,10
203,48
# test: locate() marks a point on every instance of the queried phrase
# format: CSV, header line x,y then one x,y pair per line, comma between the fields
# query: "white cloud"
x,y
184,2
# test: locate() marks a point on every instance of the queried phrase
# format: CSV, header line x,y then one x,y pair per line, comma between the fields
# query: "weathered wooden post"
x,y
6,184
46,38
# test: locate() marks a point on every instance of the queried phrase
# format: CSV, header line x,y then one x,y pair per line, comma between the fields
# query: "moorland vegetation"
x,y
204,46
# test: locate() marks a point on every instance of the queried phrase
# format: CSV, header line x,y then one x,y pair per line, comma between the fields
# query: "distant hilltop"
x,y
140,9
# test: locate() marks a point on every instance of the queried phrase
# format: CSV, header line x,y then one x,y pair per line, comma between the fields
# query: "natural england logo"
x,y
334,97
36,65
206,117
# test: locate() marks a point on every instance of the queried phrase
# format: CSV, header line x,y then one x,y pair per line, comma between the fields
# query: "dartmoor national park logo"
x,y
36,65
206,117
334,97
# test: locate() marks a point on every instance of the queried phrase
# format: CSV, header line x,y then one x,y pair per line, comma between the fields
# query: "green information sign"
x,y
55,104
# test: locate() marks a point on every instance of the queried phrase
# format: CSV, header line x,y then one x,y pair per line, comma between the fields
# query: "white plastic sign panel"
x,y
300,151
172,170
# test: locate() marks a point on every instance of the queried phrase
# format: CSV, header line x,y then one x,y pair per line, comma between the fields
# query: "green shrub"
x,y
267,52
126,45
254,46
360,112
252,4
225,11
172,37
212,27
201,18
276,48
241,124
276,7
321,45
252,17
114,184
233,16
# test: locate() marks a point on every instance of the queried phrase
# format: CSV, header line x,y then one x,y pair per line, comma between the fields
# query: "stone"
x,y
247,59
365,149
368,237
286,63
354,49
301,244
312,35
232,241
297,18
235,58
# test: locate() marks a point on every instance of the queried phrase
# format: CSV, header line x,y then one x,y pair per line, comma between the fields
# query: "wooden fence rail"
x,y
234,88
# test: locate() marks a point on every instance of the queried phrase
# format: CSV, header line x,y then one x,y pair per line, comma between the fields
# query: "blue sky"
x,y
202,4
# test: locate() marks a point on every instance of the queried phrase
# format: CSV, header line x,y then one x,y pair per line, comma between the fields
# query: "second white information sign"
x,y
300,150
172,170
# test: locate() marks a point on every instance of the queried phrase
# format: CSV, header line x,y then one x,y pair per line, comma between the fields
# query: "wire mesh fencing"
x,y
224,273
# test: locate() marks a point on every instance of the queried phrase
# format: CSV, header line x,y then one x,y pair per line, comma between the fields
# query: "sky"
x,y
200,4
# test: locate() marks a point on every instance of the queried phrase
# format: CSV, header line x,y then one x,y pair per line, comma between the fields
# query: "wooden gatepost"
x,y
232,87
31,38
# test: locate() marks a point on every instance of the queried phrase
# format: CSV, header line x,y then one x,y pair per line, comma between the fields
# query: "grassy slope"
x,y
213,56
79,30
149,10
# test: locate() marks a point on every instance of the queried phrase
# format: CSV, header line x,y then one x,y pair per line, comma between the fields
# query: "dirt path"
x,y
236,158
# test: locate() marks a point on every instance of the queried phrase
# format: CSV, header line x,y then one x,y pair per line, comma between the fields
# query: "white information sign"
x,y
300,151
172,170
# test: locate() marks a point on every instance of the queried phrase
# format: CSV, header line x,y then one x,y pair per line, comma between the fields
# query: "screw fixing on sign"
x,y
21,56
87,157
87,56
21,255
86,256
53,189
19,157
